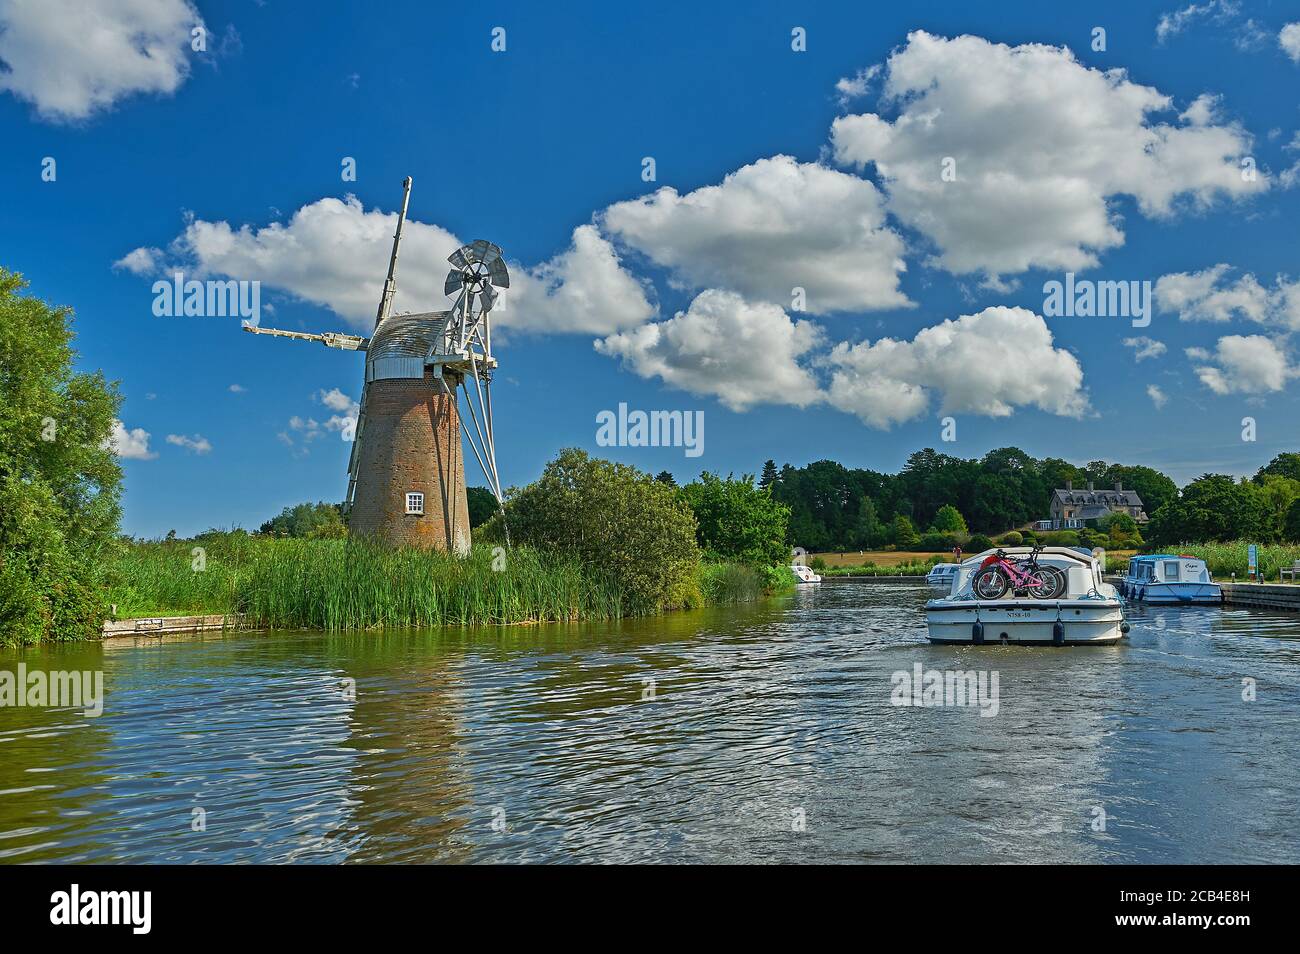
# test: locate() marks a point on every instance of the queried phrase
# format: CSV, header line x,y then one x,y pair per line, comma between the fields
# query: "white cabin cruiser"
x,y
1170,578
804,574
941,576
1083,609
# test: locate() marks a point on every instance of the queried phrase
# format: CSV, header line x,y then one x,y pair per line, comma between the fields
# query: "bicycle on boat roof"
x,y
1023,576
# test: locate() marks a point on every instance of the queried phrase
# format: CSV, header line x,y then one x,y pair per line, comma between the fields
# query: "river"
x,y
751,734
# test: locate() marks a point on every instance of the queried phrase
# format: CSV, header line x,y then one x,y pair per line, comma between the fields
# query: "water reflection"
x,y
753,734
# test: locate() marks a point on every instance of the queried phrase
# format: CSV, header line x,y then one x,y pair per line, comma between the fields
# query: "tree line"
x,y
836,508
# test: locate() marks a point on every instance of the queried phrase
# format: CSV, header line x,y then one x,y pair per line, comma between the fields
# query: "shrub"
x,y
1013,539
1061,538
934,541
618,521
978,543
1093,538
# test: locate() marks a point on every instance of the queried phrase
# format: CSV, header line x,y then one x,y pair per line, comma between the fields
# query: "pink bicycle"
x,y
1028,577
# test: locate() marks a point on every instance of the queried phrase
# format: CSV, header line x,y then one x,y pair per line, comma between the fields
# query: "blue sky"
x,y
524,146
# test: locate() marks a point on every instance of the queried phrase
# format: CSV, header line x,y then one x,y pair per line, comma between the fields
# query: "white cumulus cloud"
x,y
1157,396
583,289
1144,347
334,253
742,352
198,444
1244,364
1213,295
129,443
71,59
1289,39
1040,145
988,363
772,226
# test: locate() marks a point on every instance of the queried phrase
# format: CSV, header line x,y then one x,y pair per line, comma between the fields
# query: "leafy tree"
x,y
1121,530
482,505
60,484
618,521
307,521
1283,465
1213,507
770,475
1278,493
904,534
738,521
949,520
870,532
666,477
1153,487
1291,528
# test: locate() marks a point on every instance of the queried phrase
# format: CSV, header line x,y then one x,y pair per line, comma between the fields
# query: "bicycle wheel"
x,y
1046,583
989,584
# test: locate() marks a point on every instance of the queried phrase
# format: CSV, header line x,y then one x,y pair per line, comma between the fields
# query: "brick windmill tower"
x,y
406,475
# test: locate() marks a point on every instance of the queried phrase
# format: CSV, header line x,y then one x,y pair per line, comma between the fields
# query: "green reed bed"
x,y
340,585
727,583
178,577
336,585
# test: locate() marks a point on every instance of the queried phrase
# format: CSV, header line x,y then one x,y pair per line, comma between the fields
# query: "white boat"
x,y
941,576
1170,578
804,574
1088,612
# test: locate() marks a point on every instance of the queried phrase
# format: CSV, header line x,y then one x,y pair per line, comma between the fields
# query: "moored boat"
x,y
941,576
1170,578
805,574
1083,609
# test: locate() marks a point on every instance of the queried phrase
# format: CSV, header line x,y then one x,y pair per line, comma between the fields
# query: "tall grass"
x,y
726,583
336,584
345,584
1224,559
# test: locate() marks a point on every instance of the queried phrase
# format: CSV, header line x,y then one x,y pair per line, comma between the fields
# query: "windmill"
x,y
406,474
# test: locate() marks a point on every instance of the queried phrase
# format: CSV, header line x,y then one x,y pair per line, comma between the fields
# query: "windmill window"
x,y
415,503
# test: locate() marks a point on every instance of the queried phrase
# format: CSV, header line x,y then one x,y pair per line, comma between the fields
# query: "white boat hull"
x,y
1199,594
1089,622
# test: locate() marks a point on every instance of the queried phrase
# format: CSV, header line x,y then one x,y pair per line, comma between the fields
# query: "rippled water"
x,y
538,744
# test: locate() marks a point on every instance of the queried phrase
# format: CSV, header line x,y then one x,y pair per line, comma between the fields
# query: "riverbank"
x,y
337,585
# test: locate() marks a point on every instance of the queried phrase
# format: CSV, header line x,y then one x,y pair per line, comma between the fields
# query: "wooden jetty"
x,y
170,625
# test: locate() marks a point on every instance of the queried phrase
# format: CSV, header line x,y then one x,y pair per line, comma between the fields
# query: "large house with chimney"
x,y
1071,507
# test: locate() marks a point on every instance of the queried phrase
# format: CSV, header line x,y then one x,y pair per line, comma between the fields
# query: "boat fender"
x,y
977,633
1058,633
1124,627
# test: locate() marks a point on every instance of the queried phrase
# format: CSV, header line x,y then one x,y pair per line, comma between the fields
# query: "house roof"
x,y
1100,498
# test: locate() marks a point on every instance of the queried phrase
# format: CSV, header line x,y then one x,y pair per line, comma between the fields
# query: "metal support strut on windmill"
x,y
406,474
